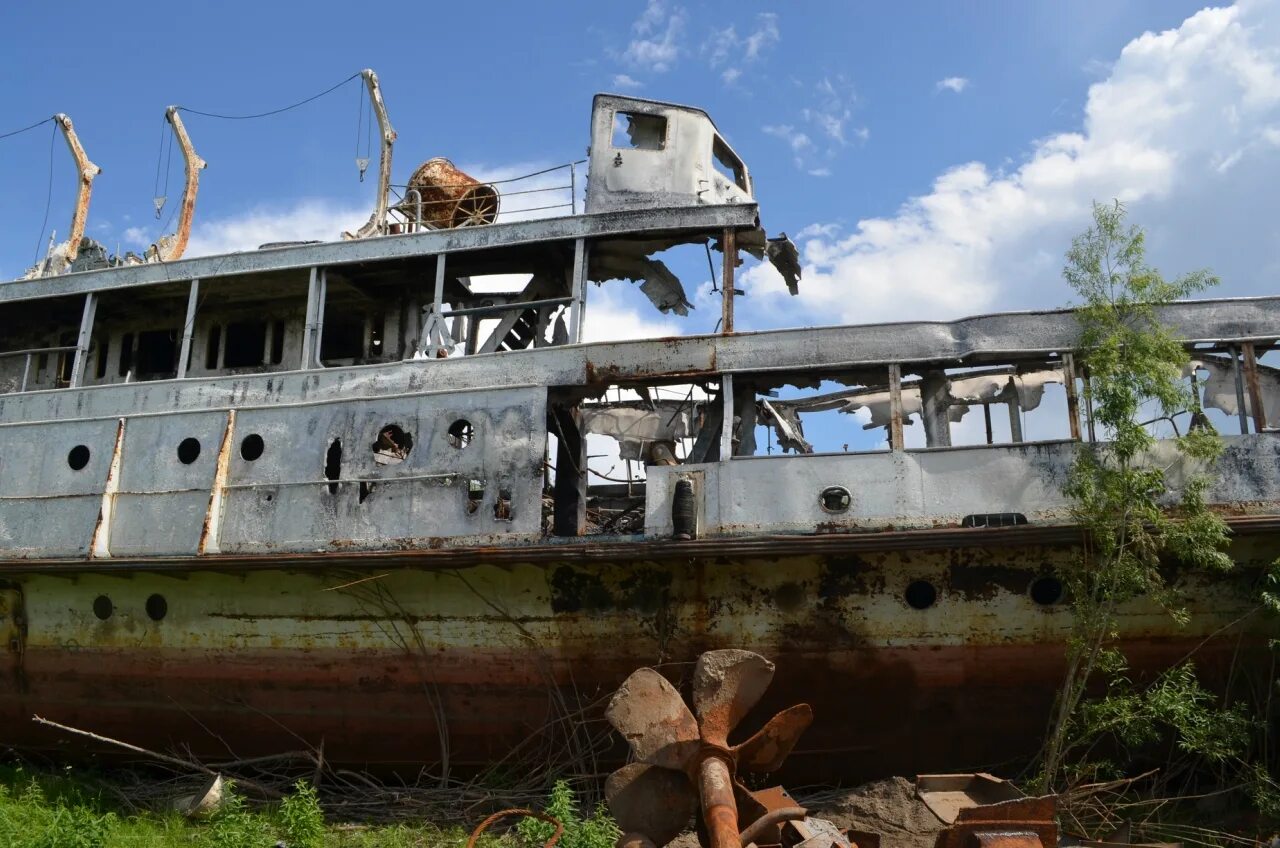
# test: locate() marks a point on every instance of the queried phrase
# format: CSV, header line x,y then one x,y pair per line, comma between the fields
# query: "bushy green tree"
x,y
1119,489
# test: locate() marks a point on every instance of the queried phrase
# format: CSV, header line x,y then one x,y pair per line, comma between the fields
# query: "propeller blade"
x,y
651,800
771,744
650,713
726,685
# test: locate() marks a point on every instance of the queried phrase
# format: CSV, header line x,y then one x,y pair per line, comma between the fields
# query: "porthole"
x,y
251,447
835,499
1046,591
157,607
78,457
921,594
102,607
188,450
461,433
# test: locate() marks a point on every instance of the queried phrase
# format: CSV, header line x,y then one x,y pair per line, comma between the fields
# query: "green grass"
x,y
65,810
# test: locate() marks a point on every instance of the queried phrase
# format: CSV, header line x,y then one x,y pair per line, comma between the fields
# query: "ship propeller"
x,y
683,761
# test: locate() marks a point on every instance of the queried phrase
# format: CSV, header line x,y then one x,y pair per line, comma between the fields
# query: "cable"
x,y
24,129
48,197
273,111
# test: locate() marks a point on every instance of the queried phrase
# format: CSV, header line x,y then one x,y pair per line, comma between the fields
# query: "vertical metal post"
x,y
1015,421
26,372
577,310
935,400
986,419
188,328
730,245
726,426
82,341
322,294
309,322
895,407
573,188
1088,402
437,299
1073,399
1239,379
1255,390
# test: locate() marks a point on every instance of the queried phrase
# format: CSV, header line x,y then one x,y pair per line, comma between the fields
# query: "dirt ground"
x,y
888,807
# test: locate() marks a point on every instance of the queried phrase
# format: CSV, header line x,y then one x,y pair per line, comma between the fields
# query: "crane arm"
x,y
60,257
377,222
171,247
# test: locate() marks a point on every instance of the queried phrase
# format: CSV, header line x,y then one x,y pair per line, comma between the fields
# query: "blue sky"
x,y
932,160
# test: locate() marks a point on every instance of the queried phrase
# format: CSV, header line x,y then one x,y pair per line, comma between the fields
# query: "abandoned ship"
x,y
331,491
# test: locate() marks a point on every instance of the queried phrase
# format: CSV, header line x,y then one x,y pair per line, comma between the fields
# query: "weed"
x,y
301,819
595,831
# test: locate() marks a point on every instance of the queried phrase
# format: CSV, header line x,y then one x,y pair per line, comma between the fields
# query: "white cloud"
x,y
832,100
623,82
1181,130
956,84
725,48
309,219
657,32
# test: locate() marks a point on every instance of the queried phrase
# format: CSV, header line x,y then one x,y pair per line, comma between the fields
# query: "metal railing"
x,y
30,352
409,206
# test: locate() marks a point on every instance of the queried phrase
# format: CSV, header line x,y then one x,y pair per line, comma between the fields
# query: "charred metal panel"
x,y
302,493
665,157
927,488
209,268
51,482
166,475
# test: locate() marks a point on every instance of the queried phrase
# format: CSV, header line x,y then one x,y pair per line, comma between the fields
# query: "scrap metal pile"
x,y
685,764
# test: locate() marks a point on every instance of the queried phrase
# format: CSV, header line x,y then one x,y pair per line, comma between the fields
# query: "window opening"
x,y
637,131
333,465
126,354
393,445
188,450
728,164
343,337
157,354
246,341
212,348
104,351
461,433
277,342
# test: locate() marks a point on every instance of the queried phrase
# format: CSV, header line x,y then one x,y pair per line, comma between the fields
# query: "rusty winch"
x,y
686,764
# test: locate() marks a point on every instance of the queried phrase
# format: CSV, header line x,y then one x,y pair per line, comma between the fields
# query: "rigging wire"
x,y
24,129
48,197
273,111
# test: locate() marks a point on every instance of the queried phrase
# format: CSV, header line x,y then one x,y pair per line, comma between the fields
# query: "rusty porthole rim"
x,y
848,496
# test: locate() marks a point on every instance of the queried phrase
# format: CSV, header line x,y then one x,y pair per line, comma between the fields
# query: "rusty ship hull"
x,y
338,494
457,667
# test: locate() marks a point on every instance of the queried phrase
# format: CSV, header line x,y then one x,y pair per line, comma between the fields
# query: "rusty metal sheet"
x,y
947,794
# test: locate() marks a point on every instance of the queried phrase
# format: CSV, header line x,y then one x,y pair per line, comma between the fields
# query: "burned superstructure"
x,y
336,488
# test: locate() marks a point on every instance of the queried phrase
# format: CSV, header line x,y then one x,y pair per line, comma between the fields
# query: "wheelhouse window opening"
x,y
639,131
728,164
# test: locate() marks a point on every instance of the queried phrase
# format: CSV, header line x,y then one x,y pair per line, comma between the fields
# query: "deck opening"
x,y
251,447
921,594
157,607
393,445
188,450
78,457
366,489
102,607
502,505
461,433
475,495
333,465
1046,591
